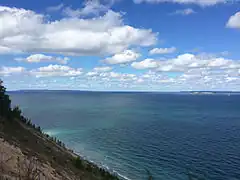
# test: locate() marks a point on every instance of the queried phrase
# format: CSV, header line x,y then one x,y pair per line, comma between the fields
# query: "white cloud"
x,y
6,50
102,69
18,22
215,77
184,12
92,73
56,70
37,58
145,64
55,8
186,62
111,76
27,31
198,2
126,56
234,21
7,71
162,50
119,76
91,7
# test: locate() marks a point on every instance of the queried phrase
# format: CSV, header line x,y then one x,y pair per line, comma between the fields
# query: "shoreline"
x,y
106,167
76,154
54,143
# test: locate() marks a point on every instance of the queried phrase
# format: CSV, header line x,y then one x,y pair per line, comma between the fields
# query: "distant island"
x,y
203,92
210,92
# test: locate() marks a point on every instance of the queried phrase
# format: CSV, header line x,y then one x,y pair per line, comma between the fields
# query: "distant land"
x,y
162,92
211,92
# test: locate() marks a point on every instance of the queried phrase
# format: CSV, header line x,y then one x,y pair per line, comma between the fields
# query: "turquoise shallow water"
x,y
168,134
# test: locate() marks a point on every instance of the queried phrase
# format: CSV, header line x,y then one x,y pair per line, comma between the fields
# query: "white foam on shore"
x,y
114,172
120,175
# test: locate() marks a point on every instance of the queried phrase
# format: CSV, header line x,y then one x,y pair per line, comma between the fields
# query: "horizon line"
x,y
153,91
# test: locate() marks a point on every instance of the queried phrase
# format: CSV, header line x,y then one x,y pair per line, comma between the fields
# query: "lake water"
x,y
169,134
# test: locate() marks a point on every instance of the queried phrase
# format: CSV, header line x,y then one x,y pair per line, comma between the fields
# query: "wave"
x,y
121,176
104,166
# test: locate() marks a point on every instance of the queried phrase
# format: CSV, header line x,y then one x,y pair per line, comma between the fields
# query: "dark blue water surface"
x,y
168,134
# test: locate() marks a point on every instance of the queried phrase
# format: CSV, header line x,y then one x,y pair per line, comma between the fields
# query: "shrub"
x,y
16,112
5,102
29,123
39,129
78,163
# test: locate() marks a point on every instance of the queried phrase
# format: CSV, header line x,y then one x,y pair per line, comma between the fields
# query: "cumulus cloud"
x,y
162,50
97,71
234,21
102,69
56,70
198,2
191,79
184,12
111,76
91,7
37,58
219,76
185,62
7,71
6,50
18,22
28,31
126,56
92,73
145,64
121,76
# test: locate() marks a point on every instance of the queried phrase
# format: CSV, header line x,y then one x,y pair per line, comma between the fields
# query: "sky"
x,y
120,45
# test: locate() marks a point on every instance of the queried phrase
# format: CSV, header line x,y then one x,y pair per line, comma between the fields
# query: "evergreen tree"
x,y
5,102
16,112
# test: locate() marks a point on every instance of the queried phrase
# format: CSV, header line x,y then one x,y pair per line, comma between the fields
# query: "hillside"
x,y
28,154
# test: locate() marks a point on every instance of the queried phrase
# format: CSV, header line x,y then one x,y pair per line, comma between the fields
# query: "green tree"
x,y
5,102
39,129
16,112
78,163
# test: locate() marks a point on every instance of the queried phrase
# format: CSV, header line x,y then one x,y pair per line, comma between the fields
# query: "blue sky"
x,y
123,45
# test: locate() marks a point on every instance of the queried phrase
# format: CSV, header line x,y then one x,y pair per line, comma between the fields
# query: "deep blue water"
x,y
168,134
